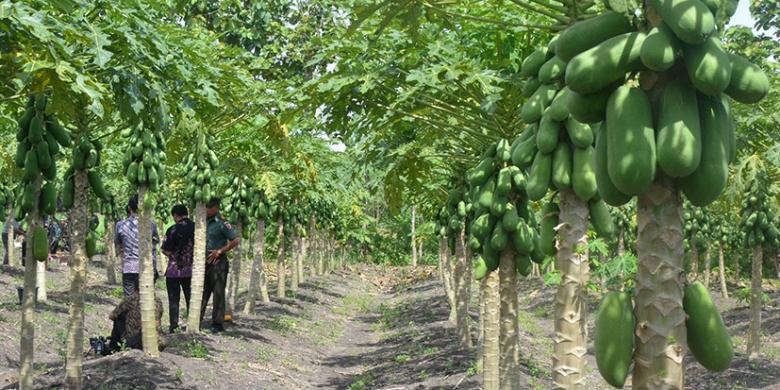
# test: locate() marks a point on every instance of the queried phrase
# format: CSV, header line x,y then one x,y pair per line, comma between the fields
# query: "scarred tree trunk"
x,y
78,281
110,253
694,256
660,320
11,237
146,280
280,268
570,342
492,330
27,337
462,291
257,280
414,237
754,332
509,364
235,273
724,291
707,261
40,279
295,249
198,268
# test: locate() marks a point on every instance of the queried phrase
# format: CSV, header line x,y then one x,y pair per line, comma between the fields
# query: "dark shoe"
x,y
217,328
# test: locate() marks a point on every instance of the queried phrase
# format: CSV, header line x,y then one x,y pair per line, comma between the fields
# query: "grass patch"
x,y
356,304
117,292
196,349
284,324
265,354
365,381
402,358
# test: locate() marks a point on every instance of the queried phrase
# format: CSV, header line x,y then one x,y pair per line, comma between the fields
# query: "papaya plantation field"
x,y
386,194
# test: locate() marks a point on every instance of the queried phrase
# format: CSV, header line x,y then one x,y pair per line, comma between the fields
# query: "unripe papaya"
x,y
47,202
579,133
539,176
583,173
557,110
708,337
491,258
659,50
31,168
588,108
707,182
498,207
97,185
91,244
588,33
523,155
40,244
690,20
482,172
482,226
480,268
523,238
604,64
600,218
35,134
547,135
630,142
748,83
607,190
24,125
67,193
534,61
561,166
552,70
503,182
503,150
614,338
498,239
708,65
533,108
678,143
530,86
42,152
21,153
523,265
510,218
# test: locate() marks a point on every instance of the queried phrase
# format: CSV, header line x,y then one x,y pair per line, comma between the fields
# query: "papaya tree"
x,y
238,208
258,279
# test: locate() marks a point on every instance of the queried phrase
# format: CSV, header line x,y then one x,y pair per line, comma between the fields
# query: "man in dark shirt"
x,y
178,246
220,239
127,322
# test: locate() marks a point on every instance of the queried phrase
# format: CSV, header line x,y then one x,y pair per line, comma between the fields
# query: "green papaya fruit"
x,y
588,33
561,166
132,173
510,218
659,50
40,244
678,142
491,258
588,108
534,61
523,238
537,255
97,185
690,20
552,70
503,150
21,153
91,244
483,226
533,108
583,173
748,83
607,190
708,65
557,110
67,194
600,218
630,143
498,239
523,265
47,202
579,133
480,268
539,176
44,158
59,133
708,181
605,63
614,338
708,337
482,172
31,168
35,134
530,86
503,182
523,155
547,135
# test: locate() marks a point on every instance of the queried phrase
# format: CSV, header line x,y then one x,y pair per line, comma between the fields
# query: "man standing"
x,y
126,242
178,246
220,239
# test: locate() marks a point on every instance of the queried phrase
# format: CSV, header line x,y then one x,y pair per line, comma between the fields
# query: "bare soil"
x,y
366,328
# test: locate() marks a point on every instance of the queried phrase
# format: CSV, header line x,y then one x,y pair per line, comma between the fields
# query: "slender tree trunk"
x,y
235,273
724,291
146,280
12,260
570,342
462,291
198,269
40,278
311,246
754,333
295,249
27,337
320,254
492,330
509,364
694,256
280,268
78,282
447,278
707,267
302,260
621,246
257,280
414,236
481,333
110,257
660,320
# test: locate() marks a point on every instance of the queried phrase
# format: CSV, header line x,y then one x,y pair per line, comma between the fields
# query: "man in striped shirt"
x,y
126,242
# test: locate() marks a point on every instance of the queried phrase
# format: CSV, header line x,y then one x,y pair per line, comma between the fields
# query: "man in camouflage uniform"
x,y
220,239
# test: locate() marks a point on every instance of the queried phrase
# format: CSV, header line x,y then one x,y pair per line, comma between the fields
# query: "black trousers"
x,y
175,286
216,280
129,283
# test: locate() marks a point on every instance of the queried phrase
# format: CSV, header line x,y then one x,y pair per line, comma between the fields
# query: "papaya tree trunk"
x,y
321,254
257,280
198,269
724,291
146,280
694,256
302,259
110,256
660,320
311,246
27,337
492,331
235,273
78,281
40,280
509,364
414,236
280,268
570,341
707,267
754,332
295,252
621,245
446,274
463,291
481,331
11,248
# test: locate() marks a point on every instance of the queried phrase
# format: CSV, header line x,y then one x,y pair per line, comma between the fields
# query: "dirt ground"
x,y
366,328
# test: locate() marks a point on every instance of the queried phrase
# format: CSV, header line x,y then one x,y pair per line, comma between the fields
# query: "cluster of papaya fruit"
x,y
243,203
84,157
623,218
452,216
143,160
500,215
201,166
6,200
39,139
695,218
758,221
707,336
